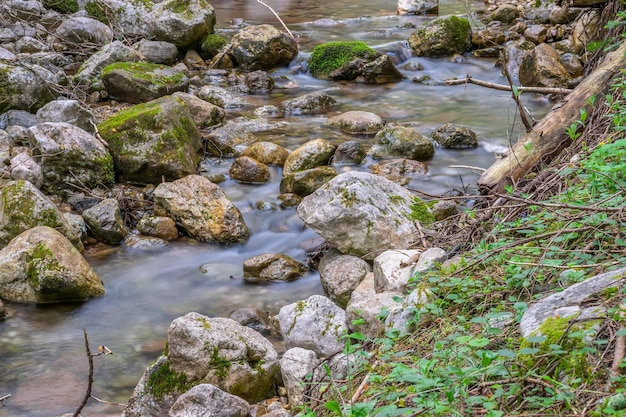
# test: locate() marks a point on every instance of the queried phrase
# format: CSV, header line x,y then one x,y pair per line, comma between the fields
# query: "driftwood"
x,y
549,136
503,87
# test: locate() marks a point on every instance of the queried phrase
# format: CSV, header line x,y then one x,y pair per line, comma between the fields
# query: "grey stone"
x,y
206,400
105,222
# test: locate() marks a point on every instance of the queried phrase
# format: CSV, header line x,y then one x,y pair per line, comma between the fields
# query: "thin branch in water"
x,y
90,380
515,93
4,397
540,90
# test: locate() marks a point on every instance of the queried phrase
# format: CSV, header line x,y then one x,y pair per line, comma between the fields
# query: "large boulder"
x,y
262,47
201,209
444,36
315,324
362,214
542,68
352,61
185,24
41,266
69,155
25,87
224,353
419,7
153,140
23,206
401,142
138,82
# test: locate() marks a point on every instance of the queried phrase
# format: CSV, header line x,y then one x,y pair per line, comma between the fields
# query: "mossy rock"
x,y
444,36
331,56
211,45
153,140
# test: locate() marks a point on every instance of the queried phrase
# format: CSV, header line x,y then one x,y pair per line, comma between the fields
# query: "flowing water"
x,y
42,352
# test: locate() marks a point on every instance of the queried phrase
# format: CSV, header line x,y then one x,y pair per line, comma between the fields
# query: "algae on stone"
x,y
330,56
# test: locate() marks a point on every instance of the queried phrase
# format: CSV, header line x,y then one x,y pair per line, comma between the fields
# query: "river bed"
x,y
42,354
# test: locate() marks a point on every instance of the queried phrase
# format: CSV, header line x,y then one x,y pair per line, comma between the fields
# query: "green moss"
x,y
164,381
42,260
421,212
212,44
115,129
62,6
348,198
458,28
19,211
220,365
106,169
333,55
145,71
99,11
205,323
8,87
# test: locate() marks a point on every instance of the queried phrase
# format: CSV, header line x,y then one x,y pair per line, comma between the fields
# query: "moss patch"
x,y
62,6
212,44
421,212
99,11
164,381
333,55
145,71
220,365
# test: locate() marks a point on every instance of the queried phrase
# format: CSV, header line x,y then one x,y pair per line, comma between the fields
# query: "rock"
x,y
25,87
306,182
23,167
138,82
267,152
419,7
362,214
212,45
393,269
231,139
450,135
349,152
309,155
542,68
515,52
255,319
221,97
203,113
428,258
28,10
153,140
24,207
407,316
585,26
20,118
105,222
28,45
3,311
568,303
208,400
156,391
77,225
262,47
295,365
130,19
340,275
488,37
84,32
399,170
157,52
363,310
160,227
69,155
307,103
315,324
68,111
272,267
358,122
247,170
41,266
221,352
136,241
444,209
352,61
561,15
252,82
201,209
401,142
505,13
536,34
573,64
89,72
194,61
183,24
444,36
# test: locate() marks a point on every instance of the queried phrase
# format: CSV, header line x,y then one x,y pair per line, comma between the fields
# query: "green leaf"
x,y
537,339
621,332
478,342
357,336
333,406
528,351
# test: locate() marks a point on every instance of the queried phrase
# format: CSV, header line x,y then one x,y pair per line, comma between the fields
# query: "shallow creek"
x,y
42,354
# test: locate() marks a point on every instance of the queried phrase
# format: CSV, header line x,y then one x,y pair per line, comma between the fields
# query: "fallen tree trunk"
x,y
549,136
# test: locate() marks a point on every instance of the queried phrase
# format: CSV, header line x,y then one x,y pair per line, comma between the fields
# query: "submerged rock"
x,y
309,155
450,135
358,122
41,266
401,142
272,267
